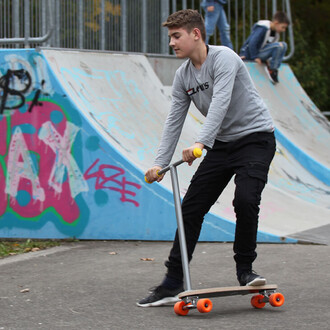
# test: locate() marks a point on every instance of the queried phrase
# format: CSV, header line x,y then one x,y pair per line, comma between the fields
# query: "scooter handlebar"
x,y
197,153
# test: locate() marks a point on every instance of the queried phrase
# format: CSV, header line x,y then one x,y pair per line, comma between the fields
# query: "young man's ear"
x,y
197,33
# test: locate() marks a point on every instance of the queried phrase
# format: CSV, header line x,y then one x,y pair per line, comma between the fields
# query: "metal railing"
x,y
118,25
21,18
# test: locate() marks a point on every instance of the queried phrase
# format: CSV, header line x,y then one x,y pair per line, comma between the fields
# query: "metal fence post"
x,y
26,22
57,23
274,10
251,15
236,27
102,24
243,14
291,37
173,6
144,32
15,22
165,10
80,24
123,25
44,18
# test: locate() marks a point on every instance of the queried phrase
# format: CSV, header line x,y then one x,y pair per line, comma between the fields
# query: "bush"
x,y
309,64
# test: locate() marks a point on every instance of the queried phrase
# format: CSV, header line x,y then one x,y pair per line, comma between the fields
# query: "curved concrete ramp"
x,y
300,126
301,168
95,128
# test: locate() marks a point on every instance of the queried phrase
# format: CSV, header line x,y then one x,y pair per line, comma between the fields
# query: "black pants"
x,y
248,159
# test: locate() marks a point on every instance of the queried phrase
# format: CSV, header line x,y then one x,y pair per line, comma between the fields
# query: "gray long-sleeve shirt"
x,y
223,91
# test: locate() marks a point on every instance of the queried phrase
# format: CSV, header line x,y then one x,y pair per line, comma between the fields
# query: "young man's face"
x,y
280,27
181,41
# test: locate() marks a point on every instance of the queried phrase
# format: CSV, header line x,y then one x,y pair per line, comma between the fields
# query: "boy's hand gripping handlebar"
x,y
197,153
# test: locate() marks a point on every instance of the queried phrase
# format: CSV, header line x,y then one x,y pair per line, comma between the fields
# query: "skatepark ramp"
x,y
79,128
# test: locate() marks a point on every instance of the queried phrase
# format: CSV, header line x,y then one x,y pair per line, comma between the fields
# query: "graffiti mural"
x,y
43,176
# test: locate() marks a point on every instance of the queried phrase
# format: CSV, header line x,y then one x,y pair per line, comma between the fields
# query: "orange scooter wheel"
x,y
179,308
256,301
204,305
276,299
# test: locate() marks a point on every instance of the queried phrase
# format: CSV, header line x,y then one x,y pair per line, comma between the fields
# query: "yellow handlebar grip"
x,y
145,178
198,152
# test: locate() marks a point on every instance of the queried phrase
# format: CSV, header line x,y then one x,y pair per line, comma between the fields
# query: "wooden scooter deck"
x,y
227,291
200,298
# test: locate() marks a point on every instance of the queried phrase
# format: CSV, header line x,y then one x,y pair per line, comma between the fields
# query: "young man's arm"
x,y
225,68
172,129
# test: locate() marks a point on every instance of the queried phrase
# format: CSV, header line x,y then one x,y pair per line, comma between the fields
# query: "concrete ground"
x,y
95,285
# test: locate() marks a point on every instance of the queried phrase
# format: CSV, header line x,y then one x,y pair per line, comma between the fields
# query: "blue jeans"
x,y
275,51
217,18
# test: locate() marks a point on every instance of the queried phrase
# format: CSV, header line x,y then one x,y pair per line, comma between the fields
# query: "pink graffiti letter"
x,y
106,182
61,145
20,166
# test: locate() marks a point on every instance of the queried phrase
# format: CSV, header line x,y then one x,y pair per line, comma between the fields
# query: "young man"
x,y
263,44
238,134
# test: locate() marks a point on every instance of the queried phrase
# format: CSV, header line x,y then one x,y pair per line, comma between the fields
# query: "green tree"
x,y
310,60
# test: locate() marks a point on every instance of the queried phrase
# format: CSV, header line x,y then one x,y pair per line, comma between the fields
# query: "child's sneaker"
x,y
251,278
160,296
272,74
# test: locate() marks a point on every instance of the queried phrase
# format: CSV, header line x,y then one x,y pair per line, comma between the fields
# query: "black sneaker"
x,y
160,296
272,74
251,278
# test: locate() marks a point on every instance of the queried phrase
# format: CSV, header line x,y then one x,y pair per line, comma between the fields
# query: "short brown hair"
x,y
281,17
187,19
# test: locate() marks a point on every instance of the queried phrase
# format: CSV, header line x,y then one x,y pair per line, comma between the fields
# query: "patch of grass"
x,y
9,248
